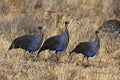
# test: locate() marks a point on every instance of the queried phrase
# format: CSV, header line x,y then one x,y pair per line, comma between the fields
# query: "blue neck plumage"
x,y
97,40
41,34
66,30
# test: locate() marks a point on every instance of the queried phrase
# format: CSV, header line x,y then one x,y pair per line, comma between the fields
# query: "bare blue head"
x,y
66,23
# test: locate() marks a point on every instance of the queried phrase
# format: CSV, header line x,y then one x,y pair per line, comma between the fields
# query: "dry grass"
x,y
21,17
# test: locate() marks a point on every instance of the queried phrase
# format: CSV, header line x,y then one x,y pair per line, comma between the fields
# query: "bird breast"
x,y
35,43
91,53
94,46
61,40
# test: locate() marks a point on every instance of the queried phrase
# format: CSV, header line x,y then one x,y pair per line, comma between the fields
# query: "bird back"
x,y
50,43
83,47
21,42
27,42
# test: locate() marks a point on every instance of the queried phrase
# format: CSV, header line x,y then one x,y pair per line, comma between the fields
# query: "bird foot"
x,y
35,60
86,65
70,61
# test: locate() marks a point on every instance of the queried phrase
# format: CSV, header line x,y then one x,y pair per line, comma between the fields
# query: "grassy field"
x,y
20,17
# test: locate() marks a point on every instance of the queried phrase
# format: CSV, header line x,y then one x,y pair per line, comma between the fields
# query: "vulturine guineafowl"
x,y
56,43
88,49
112,26
29,43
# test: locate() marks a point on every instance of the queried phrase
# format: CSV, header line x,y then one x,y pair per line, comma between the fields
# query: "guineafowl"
x,y
56,43
88,49
112,26
29,43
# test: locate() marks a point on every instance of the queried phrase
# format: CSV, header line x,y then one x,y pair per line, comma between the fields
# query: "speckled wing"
x,y
110,25
50,43
83,47
23,41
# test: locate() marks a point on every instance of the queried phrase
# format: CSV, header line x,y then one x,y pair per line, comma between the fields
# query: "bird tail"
x,y
11,47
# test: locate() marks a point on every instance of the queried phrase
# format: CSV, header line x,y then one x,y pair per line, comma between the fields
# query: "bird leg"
x,y
31,54
115,35
83,59
87,61
70,57
36,57
59,55
25,55
56,57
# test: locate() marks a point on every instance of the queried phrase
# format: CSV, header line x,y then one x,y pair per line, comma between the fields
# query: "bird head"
x,y
96,32
97,39
66,23
40,27
100,33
